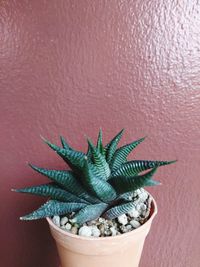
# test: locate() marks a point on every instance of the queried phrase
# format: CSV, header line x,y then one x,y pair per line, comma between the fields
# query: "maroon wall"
x,y
69,67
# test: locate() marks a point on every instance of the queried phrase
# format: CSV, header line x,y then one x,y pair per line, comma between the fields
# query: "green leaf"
x,y
90,212
134,167
51,208
99,161
118,210
112,146
126,196
100,143
53,191
121,153
96,185
126,184
67,180
72,157
64,143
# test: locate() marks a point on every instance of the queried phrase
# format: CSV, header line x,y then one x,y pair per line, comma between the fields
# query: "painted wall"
x,y
69,67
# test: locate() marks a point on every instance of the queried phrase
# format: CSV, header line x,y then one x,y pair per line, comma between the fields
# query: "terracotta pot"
x,y
117,251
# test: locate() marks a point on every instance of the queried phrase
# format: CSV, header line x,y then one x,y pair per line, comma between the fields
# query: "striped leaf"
x,y
67,180
51,208
52,191
90,212
118,210
64,143
134,167
112,146
126,184
100,143
126,196
73,158
99,161
121,153
96,185
89,154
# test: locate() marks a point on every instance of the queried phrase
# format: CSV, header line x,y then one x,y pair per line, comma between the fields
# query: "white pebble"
x,y
144,196
64,220
68,226
136,193
113,231
123,219
107,232
135,223
144,213
101,220
128,227
95,231
56,220
133,213
139,207
85,231
143,206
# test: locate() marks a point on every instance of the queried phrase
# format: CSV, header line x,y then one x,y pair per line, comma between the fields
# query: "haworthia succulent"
x,y
116,211
53,191
89,213
96,185
100,182
68,180
123,184
134,167
53,207
112,146
99,161
120,156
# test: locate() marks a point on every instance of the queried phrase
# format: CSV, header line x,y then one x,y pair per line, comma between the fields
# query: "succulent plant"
x,y
98,184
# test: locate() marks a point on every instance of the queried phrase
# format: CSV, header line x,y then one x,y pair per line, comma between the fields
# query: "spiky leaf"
x,y
112,146
134,167
99,161
100,143
90,212
67,180
64,143
96,185
72,157
116,211
53,207
53,191
121,154
126,184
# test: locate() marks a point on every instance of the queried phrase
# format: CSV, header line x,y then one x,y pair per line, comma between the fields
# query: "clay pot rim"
x,y
135,231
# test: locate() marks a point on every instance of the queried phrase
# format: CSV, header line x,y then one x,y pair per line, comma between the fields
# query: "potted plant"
x,y
98,212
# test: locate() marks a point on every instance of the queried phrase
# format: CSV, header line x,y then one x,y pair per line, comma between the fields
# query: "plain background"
x,y
70,67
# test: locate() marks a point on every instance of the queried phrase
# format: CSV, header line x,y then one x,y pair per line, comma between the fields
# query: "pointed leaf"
x,y
112,146
99,161
50,190
64,143
51,208
72,157
118,210
90,212
126,184
96,185
121,153
67,180
134,167
100,143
